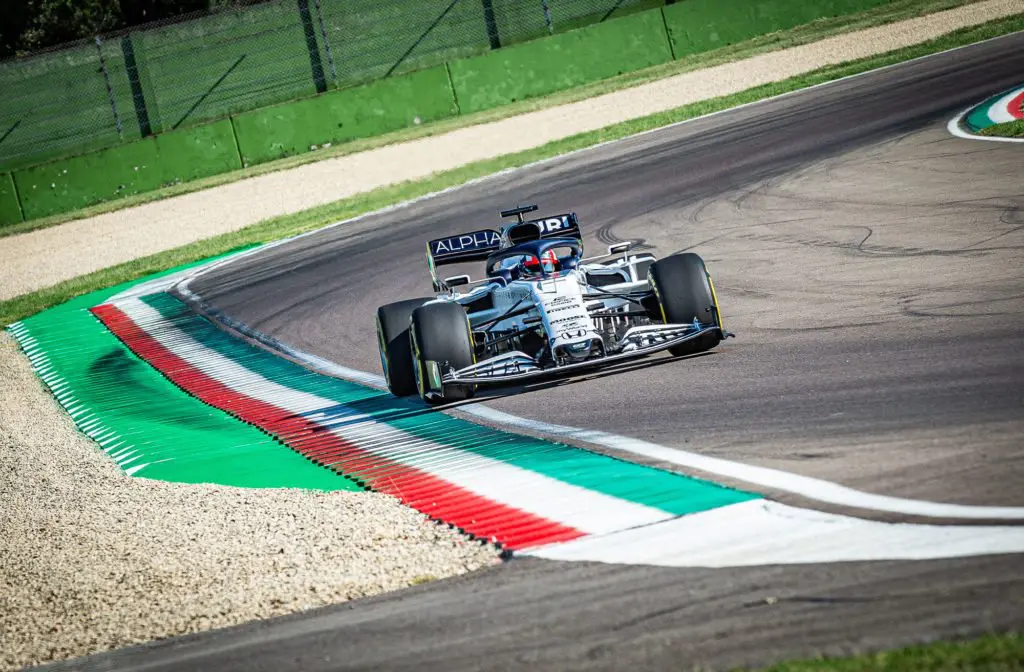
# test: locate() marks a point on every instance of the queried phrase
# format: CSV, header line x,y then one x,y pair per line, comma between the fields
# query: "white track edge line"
x,y
955,128
769,533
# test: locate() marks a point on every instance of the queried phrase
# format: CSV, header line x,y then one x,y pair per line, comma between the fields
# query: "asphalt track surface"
x,y
872,267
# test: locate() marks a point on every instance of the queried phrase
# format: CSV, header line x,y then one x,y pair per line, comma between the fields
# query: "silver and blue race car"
x,y
541,310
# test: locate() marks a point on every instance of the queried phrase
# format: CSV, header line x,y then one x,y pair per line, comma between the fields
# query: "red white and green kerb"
x,y
1000,109
169,395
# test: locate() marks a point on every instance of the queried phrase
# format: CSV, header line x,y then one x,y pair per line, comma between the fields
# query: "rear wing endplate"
x,y
473,246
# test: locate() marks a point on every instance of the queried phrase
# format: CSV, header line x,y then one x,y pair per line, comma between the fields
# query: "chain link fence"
x,y
98,92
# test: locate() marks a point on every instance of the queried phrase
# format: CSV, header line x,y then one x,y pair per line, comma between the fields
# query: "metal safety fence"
x,y
126,86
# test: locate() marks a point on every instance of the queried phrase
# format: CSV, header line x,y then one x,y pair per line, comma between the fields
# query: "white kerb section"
x,y
768,533
585,510
1000,110
806,486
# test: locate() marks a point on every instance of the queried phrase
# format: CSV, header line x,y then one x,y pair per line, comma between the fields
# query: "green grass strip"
x,y
145,420
1011,129
674,493
990,653
314,218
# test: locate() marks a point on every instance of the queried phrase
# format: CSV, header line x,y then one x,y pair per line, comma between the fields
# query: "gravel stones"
x,y
92,559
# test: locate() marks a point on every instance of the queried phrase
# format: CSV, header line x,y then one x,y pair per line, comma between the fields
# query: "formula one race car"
x,y
542,310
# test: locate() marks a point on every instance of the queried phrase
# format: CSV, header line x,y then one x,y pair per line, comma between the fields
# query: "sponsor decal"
x,y
477,241
553,224
573,333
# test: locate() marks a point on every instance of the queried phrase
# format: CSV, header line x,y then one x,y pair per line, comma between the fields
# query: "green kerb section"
x,y
978,118
140,418
674,493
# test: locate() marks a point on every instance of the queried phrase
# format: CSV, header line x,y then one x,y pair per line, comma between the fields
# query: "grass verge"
x,y
307,220
898,10
1012,129
991,653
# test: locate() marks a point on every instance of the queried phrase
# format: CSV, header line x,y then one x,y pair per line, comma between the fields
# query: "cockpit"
x,y
534,260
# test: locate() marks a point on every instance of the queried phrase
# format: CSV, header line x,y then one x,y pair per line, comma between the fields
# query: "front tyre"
x,y
440,340
684,291
393,343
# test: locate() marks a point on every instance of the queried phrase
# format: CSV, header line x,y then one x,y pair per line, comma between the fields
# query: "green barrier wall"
x,y
695,26
359,112
128,169
197,152
10,210
560,62
536,68
83,180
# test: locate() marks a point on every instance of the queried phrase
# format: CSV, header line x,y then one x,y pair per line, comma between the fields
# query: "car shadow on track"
x,y
384,407
491,394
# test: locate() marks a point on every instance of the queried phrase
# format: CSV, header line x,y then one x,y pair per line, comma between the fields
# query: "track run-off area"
x,y
673,511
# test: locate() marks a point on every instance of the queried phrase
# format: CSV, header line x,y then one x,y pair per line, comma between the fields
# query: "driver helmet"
x,y
547,260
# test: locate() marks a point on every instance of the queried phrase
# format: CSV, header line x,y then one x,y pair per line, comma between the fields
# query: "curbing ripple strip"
x,y
514,490
999,109
146,425
528,494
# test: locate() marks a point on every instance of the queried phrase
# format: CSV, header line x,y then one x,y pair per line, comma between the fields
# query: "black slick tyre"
x,y
440,340
393,342
684,291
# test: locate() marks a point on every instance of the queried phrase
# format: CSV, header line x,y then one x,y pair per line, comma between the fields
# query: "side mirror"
x,y
619,248
456,281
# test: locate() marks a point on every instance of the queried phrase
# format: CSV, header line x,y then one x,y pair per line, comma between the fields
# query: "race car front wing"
x,y
636,342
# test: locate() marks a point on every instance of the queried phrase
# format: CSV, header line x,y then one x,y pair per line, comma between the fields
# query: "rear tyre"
x,y
684,291
393,342
440,340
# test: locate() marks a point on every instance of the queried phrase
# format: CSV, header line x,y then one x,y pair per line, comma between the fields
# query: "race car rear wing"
x,y
474,246
478,245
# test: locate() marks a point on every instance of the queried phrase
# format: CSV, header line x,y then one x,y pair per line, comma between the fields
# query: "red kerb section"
x,y
473,513
1016,106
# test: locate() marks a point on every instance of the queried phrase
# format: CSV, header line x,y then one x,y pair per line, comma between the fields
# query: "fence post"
x,y
311,46
327,42
547,16
138,97
110,89
492,25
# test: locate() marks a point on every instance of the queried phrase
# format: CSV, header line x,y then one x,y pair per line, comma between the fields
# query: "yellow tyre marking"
x,y
382,345
714,297
661,304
